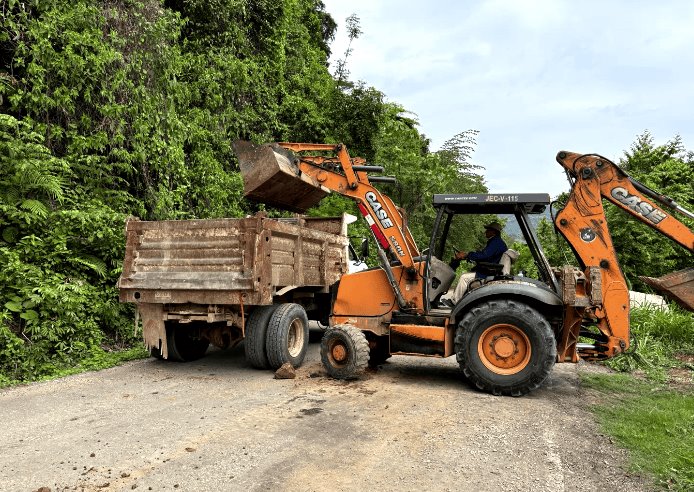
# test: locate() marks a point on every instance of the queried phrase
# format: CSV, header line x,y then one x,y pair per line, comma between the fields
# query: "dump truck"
x,y
221,281
507,331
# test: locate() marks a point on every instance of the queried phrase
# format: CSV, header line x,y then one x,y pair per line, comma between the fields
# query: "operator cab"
x,y
453,227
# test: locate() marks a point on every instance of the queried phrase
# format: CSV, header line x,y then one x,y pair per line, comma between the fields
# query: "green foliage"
x,y
657,338
657,426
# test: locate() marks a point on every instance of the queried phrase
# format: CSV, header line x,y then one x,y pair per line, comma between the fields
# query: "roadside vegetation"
x,y
648,404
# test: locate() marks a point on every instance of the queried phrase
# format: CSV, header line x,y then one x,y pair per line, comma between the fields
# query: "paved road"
x,y
216,424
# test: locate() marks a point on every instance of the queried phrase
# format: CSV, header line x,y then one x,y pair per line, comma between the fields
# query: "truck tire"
x,y
287,336
183,342
344,352
255,335
505,347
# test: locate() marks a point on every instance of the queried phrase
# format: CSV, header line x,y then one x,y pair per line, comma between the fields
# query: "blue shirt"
x,y
491,253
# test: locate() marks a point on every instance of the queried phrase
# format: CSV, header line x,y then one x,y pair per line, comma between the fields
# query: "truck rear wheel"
x,y
505,347
344,352
184,343
255,335
287,336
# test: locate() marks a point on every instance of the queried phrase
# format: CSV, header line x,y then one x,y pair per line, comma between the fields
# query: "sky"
x,y
533,76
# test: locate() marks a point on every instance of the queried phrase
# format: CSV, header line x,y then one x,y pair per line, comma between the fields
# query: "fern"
x,y
92,262
35,207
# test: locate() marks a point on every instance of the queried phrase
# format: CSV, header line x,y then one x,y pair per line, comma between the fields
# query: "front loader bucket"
x,y
270,176
678,286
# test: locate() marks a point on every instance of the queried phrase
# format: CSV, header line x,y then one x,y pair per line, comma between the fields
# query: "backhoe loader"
x,y
508,331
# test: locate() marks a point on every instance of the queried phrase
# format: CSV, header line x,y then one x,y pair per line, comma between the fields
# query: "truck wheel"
x,y
287,336
505,347
256,331
344,352
183,343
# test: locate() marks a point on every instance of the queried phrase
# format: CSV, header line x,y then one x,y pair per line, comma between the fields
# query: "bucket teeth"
x,y
270,176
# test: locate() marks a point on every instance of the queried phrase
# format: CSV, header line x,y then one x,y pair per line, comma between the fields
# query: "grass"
x,y
655,424
97,361
641,410
658,338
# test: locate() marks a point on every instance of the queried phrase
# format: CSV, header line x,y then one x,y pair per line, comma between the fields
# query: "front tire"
x,y
287,336
505,347
344,352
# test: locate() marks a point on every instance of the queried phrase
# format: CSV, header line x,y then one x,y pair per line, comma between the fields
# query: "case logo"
x,y
639,206
376,206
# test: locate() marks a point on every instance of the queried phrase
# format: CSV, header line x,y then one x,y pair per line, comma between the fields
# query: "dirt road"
x,y
216,424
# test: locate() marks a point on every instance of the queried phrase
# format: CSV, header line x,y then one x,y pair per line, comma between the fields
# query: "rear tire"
x,y
184,343
287,336
505,347
256,333
344,352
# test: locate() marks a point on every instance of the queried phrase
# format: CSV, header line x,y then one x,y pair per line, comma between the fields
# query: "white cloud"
x,y
534,76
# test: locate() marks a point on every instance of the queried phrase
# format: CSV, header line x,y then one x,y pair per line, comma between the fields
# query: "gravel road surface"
x,y
216,424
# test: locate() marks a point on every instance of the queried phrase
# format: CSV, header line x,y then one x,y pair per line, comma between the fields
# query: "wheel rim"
x,y
338,353
295,338
504,349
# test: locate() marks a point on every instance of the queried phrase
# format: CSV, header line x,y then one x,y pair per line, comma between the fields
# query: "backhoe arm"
x,y
284,175
348,177
583,224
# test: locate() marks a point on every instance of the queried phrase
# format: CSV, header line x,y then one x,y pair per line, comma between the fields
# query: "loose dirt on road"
x,y
216,424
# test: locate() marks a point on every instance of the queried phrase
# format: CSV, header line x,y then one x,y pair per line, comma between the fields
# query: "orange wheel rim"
x,y
339,352
504,349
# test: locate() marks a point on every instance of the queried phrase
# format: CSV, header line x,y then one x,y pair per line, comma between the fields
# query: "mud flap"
x,y
270,176
153,329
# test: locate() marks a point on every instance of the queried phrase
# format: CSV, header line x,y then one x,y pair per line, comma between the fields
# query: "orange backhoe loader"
x,y
506,331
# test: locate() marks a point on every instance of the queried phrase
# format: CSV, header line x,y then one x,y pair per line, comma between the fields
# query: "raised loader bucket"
x,y
271,177
678,286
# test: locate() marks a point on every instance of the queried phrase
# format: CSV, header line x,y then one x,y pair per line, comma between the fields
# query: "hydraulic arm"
x,y
349,177
602,297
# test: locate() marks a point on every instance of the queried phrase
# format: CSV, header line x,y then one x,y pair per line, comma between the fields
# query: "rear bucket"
x,y
677,286
271,177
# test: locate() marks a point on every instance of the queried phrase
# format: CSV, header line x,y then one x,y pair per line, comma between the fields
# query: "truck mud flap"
x,y
153,329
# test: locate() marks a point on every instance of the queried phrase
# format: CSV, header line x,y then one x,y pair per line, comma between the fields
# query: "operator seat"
x,y
492,270
507,259
441,276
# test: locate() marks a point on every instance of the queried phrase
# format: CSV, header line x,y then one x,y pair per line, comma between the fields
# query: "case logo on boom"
x,y
381,214
639,206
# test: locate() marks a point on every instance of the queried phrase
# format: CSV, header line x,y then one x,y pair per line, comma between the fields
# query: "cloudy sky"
x,y
533,76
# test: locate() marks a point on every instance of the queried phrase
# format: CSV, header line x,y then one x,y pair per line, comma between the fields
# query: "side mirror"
x,y
364,248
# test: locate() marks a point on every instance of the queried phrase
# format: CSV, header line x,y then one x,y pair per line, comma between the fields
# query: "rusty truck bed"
x,y
216,261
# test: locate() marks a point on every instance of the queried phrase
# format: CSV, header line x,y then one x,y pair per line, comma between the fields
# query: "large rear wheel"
x,y
287,336
344,352
505,347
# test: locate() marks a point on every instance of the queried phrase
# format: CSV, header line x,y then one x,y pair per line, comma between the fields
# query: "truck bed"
x,y
217,261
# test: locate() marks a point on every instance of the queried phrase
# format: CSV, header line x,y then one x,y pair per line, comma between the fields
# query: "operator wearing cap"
x,y
491,253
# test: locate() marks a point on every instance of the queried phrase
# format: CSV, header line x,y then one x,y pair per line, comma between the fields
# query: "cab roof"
x,y
497,203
